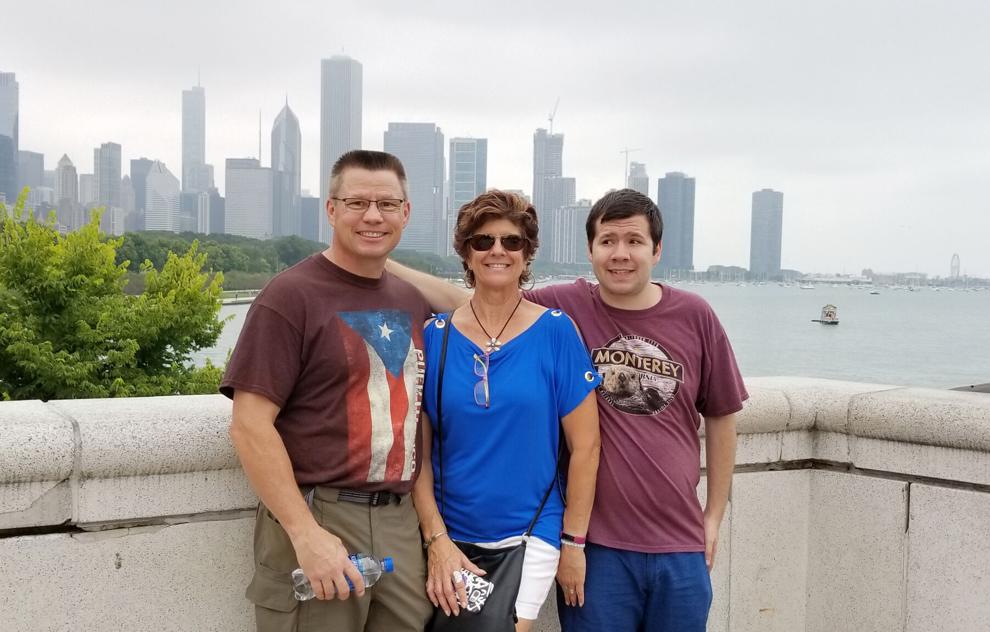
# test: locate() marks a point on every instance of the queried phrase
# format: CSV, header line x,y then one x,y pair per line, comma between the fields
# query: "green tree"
x,y
68,330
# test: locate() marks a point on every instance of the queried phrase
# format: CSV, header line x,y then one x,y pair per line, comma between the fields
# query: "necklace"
x,y
494,344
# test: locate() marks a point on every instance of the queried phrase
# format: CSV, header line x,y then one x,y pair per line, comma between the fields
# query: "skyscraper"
x,y
549,190
675,197
420,148
162,199
766,234
468,179
194,173
340,120
570,243
9,136
639,180
106,167
248,206
106,171
548,162
139,175
30,169
286,173
66,181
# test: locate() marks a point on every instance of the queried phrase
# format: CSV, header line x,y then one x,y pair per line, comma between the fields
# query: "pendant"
x,y
493,345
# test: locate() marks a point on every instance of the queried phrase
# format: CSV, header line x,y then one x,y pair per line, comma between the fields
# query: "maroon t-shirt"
x,y
662,368
342,356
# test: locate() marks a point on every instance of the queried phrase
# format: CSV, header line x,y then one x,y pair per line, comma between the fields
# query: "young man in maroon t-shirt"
x,y
665,362
327,380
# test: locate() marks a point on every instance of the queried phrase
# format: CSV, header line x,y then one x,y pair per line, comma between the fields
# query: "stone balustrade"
x,y
854,507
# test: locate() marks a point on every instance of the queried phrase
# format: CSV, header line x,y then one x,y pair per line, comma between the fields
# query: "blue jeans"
x,y
627,591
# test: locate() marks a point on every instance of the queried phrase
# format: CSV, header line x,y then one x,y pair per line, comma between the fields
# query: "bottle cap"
x,y
388,565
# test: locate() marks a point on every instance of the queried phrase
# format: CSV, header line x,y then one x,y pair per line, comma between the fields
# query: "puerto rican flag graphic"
x,y
384,390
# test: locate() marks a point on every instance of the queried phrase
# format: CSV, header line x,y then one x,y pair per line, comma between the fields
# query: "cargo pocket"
x,y
271,592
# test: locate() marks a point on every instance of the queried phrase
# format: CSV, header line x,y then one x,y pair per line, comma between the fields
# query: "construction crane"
x,y
552,114
627,151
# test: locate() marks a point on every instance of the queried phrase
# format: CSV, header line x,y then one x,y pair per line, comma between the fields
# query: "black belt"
x,y
375,499
368,498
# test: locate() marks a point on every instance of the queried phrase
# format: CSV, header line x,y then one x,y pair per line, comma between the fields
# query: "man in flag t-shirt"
x,y
326,381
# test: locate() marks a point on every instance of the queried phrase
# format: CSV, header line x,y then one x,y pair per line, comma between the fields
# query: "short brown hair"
x,y
370,160
622,204
492,205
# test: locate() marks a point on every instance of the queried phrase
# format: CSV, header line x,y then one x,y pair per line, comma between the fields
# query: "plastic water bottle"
x,y
370,567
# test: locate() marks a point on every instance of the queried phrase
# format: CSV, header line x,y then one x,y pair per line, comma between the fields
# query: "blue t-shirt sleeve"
x,y
574,375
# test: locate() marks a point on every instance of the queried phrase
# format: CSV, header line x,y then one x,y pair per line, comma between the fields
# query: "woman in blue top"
x,y
515,373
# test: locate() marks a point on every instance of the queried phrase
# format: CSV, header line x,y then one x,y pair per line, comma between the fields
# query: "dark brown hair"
x,y
493,205
623,204
370,160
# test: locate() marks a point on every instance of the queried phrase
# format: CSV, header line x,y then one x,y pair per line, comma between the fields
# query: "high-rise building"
x,y
548,162
286,173
340,120
638,178
9,136
162,199
87,190
310,212
550,191
248,208
106,167
420,148
675,197
217,210
30,169
66,181
570,243
766,234
139,175
468,180
194,168
106,171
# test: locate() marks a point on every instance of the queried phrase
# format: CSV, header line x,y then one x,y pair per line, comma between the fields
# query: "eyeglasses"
x,y
483,243
360,205
481,393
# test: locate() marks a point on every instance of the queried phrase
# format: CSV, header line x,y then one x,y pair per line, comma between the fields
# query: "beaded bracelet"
x,y
574,544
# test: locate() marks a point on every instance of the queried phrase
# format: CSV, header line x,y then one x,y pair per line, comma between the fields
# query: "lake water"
x,y
930,338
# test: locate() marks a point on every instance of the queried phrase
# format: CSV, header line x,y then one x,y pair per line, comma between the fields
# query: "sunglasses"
x,y
482,243
482,397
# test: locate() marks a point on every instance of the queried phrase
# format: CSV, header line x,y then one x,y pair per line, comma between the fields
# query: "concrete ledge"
x,y
880,487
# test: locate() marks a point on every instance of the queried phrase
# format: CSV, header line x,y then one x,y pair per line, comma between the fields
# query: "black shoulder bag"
x,y
503,566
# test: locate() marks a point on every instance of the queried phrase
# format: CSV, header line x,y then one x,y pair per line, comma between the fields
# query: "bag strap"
x,y
443,362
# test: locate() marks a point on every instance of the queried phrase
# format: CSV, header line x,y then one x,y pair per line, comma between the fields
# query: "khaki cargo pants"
x,y
396,603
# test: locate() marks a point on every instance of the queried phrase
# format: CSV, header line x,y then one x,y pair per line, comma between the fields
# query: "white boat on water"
x,y
806,286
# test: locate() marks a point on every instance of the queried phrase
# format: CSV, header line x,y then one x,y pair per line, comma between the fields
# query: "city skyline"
x,y
872,140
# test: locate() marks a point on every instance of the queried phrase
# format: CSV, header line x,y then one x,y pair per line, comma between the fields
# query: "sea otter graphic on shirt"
x,y
638,375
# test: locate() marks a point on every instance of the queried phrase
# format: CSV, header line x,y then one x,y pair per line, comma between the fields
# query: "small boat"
x,y
874,292
830,316
806,286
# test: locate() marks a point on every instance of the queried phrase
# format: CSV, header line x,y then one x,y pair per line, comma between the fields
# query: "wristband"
x,y
572,544
573,539
433,538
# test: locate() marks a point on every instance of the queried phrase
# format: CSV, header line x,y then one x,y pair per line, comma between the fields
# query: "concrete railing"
x,y
854,507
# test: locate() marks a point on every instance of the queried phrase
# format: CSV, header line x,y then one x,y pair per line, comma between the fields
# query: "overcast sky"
x,y
872,117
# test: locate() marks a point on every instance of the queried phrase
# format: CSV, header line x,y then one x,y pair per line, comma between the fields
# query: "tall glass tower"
x,y
9,137
286,173
340,120
766,234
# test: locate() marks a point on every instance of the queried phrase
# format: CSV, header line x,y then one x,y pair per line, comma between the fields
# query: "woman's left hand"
x,y
570,574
